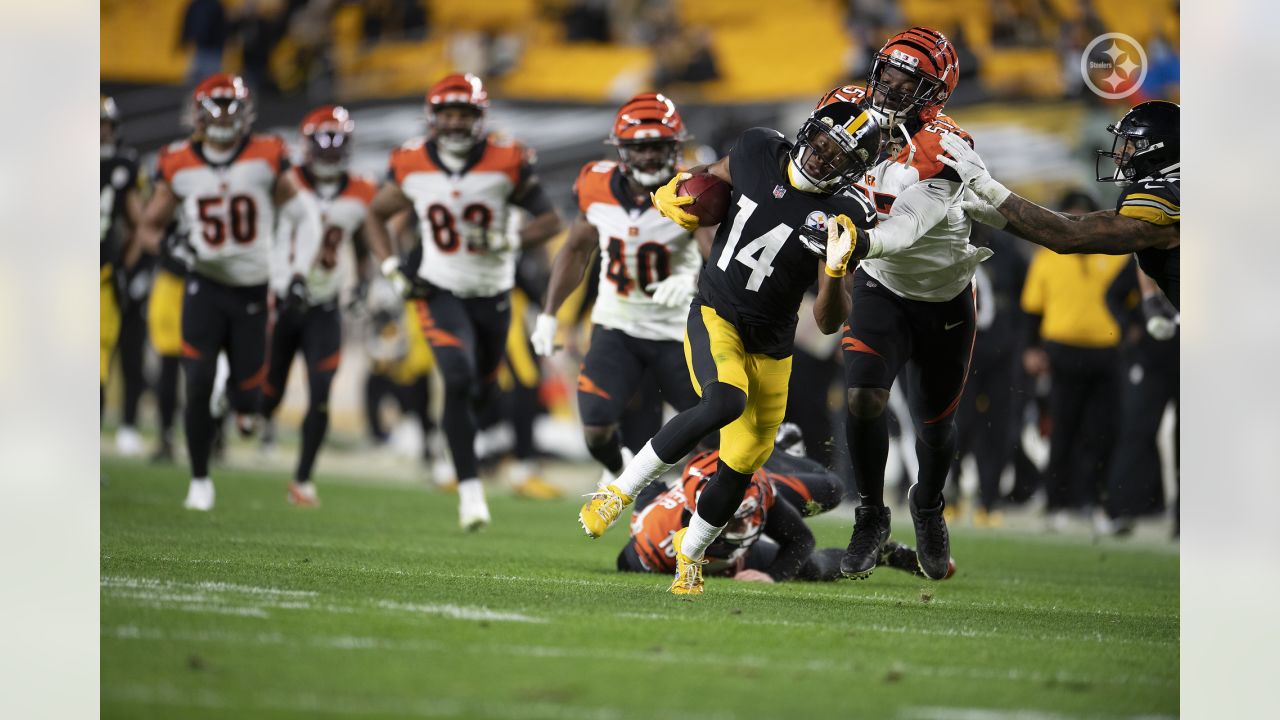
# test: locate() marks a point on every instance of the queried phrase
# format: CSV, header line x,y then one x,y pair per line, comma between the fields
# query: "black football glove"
x,y
295,300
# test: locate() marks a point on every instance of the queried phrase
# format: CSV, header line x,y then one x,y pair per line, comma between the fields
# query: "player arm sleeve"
x,y
300,218
917,209
529,192
795,541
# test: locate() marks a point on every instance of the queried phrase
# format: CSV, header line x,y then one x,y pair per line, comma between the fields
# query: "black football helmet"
x,y
1145,144
834,147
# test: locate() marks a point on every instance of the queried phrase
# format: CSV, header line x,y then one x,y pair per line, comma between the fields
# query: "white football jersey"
x,y
229,208
343,207
638,247
457,209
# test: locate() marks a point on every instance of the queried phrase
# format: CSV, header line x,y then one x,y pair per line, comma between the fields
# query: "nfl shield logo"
x,y
778,192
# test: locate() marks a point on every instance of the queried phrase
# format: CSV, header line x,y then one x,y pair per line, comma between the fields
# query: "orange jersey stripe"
x,y
360,188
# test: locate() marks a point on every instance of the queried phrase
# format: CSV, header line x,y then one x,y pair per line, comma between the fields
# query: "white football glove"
x,y
391,270
980,210
972,171
675,291
543,338
1162,317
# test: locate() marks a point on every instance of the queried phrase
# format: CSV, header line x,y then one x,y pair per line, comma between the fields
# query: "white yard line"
x,y
943,713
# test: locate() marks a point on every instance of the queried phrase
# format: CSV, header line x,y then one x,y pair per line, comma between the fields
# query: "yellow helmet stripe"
x,y
856,123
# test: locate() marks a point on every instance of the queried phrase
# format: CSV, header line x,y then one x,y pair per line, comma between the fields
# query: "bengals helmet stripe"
x,y
929,57
458,89
647,117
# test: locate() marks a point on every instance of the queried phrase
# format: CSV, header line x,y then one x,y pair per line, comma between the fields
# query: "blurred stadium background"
x,y
557,70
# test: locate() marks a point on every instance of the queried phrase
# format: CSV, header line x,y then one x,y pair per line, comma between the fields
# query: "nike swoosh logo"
x,y
1146,186
953,325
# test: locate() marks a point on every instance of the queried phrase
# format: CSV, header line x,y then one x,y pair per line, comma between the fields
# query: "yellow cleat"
x,y
601,510
535,488
688,579
985,519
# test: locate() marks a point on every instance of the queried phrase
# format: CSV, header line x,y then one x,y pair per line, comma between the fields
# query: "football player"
x,y
120,210
315,328
648,271
913,298
786,207
1146,157
767,540
230,184
462,181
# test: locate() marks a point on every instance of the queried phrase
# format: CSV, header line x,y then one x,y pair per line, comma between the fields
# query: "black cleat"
x,y
933,545
901,557
870,533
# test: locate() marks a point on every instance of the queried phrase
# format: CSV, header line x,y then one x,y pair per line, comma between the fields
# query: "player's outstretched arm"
x,y
541,228
156,216
567,272
795,541
1105,231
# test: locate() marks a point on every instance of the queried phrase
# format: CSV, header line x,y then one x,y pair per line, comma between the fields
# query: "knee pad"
x,y
724,402
937,435
867,403
598,435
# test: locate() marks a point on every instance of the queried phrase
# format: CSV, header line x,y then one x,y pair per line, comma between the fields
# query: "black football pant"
x,y
468,337
1150,382
1083,402
317,333
132,347
218,317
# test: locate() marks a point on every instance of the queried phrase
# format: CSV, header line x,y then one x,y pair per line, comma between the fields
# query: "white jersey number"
x,y
766,245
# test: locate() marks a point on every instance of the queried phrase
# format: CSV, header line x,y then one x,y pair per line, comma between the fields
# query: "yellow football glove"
x,y
842,238
668,203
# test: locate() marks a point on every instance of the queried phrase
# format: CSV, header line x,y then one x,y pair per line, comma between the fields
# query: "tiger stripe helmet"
x,y
326,140
457,90
649,133
221,108
929,58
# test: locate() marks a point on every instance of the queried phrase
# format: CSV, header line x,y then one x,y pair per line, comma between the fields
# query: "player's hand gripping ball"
x,y
693,201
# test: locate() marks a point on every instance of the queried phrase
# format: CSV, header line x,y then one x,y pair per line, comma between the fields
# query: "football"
x,y
710,198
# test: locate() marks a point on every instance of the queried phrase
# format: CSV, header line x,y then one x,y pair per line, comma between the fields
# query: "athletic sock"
x,y
868,453
698,537
643,469
470,491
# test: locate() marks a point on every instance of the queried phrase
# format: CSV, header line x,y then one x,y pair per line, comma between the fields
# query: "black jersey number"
x,y
444,229
240,216
653,264
758,254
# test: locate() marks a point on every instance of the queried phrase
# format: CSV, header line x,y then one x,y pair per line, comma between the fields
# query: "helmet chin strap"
x,y
799,180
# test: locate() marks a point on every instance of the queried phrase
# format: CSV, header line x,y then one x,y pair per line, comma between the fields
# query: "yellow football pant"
x,y
164,313
714,353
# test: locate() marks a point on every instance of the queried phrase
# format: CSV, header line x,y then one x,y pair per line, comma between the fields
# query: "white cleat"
x,y
128,442
473,511
199,495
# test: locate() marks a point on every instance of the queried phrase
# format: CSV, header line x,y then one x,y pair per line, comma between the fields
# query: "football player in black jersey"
x,y
787,206
121,209
1146,155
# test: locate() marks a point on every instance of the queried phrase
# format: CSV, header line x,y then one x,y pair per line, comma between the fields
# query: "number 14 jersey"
x,y
638,247
759,269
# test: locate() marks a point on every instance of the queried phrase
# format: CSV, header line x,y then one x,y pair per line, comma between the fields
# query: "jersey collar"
x,y
621,190
473,157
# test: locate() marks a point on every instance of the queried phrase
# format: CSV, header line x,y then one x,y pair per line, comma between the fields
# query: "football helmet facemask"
x,y
457,134
1145,143
649,133
834,147
221,109
913,75
326,141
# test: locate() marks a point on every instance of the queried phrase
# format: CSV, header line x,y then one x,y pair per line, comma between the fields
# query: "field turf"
x,y
377,606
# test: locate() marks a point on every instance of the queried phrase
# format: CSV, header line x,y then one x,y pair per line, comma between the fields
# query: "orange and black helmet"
x,y
462,90
221,108
326,139
930,59
648,132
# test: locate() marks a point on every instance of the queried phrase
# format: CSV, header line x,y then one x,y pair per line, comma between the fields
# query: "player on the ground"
x,y
767,540
463,183
120,210
230,184
1146,156
913,300
314,326
648,273
786,207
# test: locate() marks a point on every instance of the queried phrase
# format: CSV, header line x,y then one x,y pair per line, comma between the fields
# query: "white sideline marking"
x,y
252,601
943,713
658,655
458,612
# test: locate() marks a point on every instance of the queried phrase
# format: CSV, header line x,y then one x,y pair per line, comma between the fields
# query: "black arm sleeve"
x,y
532,197
795,541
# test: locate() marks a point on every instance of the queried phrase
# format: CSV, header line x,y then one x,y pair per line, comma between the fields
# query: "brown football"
x,y
710,198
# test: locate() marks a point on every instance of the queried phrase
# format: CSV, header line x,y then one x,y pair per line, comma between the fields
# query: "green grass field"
x,y
378,606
